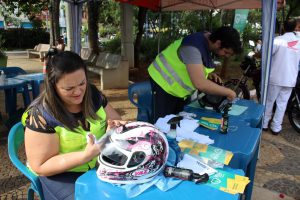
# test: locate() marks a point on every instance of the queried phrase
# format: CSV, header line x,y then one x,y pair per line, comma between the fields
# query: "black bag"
x,y
210,101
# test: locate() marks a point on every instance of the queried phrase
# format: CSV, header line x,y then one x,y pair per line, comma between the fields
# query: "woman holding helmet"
x,y
57,124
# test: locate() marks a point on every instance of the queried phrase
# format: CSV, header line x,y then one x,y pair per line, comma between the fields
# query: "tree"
x,y
31,8
137,45
54,21
93,17
292,9
109,18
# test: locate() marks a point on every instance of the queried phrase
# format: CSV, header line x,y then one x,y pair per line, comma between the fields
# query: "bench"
x,y
112,69
85,53
39,51
88,57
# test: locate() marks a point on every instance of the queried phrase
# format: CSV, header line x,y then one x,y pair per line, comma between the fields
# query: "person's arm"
x,y
42,151
196,73
113,118
111,113
192,58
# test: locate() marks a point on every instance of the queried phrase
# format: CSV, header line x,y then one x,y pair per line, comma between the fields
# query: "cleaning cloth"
x,y
190,162
185,130
161,182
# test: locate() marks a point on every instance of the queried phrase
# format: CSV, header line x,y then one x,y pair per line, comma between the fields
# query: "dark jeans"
x,y
60,186
164,103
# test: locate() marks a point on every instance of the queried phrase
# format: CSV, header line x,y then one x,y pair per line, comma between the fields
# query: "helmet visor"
x,y
113,156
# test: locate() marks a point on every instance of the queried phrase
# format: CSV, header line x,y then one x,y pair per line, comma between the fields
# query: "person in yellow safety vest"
x,y
184,67
63,124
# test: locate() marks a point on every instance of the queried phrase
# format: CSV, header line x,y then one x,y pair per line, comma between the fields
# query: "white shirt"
x,y
285,60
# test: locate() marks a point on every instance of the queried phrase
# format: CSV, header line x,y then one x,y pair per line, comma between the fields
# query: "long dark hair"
x,y
57,65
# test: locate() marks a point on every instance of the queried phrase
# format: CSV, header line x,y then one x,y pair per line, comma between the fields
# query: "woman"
x,y
59,44
58,145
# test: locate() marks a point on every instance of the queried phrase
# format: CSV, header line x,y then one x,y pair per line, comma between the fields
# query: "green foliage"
x,y
2,40
112,46
37,23
84,29
179,24
251,33
149,47
20,38
13,20
108,30
109,18
293,8
29,7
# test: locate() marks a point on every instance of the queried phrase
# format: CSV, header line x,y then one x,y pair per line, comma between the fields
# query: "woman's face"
x,y
71,88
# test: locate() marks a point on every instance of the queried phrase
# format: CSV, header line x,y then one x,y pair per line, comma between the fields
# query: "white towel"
x,y
190,162
185,131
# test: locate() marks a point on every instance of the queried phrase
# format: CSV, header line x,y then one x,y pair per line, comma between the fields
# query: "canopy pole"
x,y
268,24
159,33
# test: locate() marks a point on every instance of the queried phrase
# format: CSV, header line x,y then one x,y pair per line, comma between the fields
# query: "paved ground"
x,y
278,169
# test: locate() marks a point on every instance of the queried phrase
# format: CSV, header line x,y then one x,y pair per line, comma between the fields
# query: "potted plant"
x,y
3,56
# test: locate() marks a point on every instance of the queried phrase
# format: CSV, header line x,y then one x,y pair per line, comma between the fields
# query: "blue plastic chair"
x,y
143,92
15,139
12,71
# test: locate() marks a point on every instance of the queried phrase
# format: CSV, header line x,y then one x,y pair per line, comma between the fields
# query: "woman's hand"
x,y
215,78
114,123
92,148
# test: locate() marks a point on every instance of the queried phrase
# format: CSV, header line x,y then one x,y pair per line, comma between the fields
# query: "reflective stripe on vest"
x,y
70,141
168,71
174,74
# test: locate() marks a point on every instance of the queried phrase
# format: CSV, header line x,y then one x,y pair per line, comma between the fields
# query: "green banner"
x,y
240,19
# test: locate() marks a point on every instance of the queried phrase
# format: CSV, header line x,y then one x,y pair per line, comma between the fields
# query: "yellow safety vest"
x,y
170,73
70,141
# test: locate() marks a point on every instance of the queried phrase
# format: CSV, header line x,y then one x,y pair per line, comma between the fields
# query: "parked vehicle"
x,y
293,107
251,69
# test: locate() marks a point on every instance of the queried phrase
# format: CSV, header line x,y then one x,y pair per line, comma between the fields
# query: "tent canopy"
x,y
268,21
177,5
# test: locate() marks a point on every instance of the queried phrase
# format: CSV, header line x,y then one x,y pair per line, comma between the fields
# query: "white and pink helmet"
x,y
135,153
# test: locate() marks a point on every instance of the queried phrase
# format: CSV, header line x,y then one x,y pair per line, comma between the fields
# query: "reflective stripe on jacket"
x,y
170,73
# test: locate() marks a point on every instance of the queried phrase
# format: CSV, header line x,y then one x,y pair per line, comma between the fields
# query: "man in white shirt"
x,y
283,75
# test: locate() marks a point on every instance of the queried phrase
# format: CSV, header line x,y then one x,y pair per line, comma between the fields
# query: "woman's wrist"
x,y
85,156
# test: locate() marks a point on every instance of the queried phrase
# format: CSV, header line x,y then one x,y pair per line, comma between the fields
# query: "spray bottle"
x,y
185,174
225,119
175,151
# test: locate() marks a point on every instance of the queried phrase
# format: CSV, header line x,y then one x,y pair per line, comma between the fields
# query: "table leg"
x,y
35,89
26,96
11,101
251,174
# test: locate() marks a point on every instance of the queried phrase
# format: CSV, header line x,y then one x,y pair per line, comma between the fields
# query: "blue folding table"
x,y
252,116
34,79
89,186
10,87
242,139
